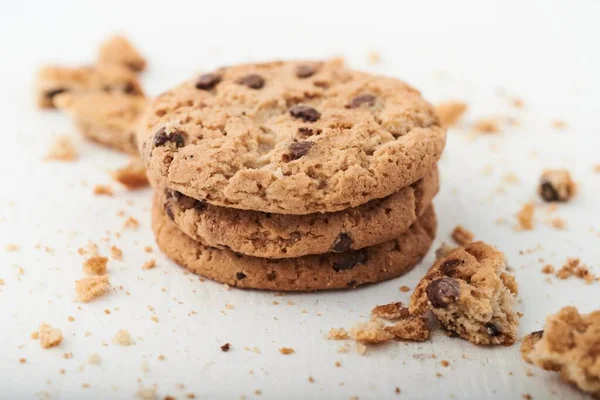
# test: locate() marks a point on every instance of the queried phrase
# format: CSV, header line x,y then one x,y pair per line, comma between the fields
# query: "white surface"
x,y
543,52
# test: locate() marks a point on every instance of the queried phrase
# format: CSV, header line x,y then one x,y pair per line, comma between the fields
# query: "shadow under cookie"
x,y
309,273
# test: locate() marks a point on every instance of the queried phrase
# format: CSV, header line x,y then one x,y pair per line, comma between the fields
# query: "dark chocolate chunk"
x,y
271,276
208,81
162,137
305,113
129,88
548,192
342,243
253,81
297,150
240,275
492,329
448,266
349,260
363,99
443,292
305,70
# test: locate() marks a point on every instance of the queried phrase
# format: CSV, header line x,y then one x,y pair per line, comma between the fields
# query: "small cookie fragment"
x,y
371,332
62,149
225,348
568,345
91,287
132,176
450,111
574,267
411,328
525,217
149,264
390,311
286,350
48,336
471,294
487,125
338,334
103,190
556,186
122,338
95,265
118,50
462,235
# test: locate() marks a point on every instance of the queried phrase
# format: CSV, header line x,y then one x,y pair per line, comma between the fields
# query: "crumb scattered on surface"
x,y
91,287
49,336
548,269
370,332
122,338
11,247
95,265
94,359
461,235
556,185
574,267
559,124
404,289
517,102
311,379
338,364
103,190
149,264
525,217
374,57
487,125
338,334
131,223
62,149
225,347
116,253
558,223
286,350
450,111
22,360
146,394
390,311
132,175
410,328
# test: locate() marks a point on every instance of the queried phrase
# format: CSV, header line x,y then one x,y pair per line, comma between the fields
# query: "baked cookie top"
x,y
289,137
471,294
268,235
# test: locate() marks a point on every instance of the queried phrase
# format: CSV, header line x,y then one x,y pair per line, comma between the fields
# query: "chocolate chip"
x,y
271,276
129,88
351,284
492,329
162,137
253,81
208,81
342,243
548,192
305,113
366,99
240,275
306,132
349,260
52,93
443,292
448,266
305,70
297,150
225,347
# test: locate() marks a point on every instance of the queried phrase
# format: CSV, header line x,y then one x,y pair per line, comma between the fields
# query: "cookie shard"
x,y
283,148
277,236
309,273
118,50
470,293
105,118
569,345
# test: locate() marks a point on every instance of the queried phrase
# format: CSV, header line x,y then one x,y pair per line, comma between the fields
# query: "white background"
x,y
544,52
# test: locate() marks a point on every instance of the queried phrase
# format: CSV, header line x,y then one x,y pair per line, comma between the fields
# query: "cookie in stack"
x,y
293,176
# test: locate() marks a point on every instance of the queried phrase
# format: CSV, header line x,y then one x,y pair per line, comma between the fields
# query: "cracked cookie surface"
x,y
317,272
289,137
267,235
471,294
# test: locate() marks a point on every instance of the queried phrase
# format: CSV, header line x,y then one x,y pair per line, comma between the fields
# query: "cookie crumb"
x,y
133,175
311,379
22,360
487,125
94,359
95,265
149,264
49,336
450,111
525,217
397,391
116,253
147,394
548,269
131,223
574,267
410,328
462,236
338,334
11,247
558,223
225,348
286,350
390,311
338,364
103,190
371,332
91,287
374,57
445,363
62,149
556,186
517,103
559,124
404,289
122,338
70,318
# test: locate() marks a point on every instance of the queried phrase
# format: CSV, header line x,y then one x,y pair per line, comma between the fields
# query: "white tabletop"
x,y
486,53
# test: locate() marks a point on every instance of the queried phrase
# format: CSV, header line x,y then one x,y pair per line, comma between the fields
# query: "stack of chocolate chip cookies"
x,y
293,175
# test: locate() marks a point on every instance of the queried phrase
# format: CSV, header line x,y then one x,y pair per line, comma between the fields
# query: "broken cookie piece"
x,y
569,345
118,50
105,118
48,336
450,111
91,287
55,80
471,294
556,186
133,175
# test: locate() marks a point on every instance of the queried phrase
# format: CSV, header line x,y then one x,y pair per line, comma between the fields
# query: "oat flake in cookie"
x,y
267,235
289,137
318,272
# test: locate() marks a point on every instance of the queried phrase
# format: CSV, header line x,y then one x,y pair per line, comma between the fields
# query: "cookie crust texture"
x,y
289,137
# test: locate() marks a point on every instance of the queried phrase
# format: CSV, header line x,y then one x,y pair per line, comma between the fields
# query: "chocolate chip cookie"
x,y
106,118
471,294
289,137
267,235
54,80
569,345
317,272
